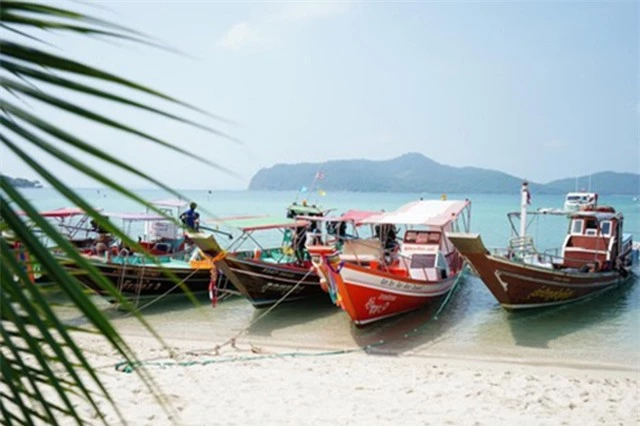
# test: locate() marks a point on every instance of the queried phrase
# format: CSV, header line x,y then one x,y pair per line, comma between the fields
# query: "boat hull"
x,y
265,284
136,281
521,286
369,295
262,283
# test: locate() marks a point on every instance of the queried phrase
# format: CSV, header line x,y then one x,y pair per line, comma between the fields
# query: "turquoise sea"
x,y
603,330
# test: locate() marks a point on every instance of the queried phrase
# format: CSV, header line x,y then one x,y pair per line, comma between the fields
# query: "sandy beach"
x,y
277,384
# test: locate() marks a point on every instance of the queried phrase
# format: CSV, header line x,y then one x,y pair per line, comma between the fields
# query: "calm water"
x,y
602,329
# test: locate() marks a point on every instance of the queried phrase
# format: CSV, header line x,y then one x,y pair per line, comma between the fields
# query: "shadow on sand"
x,y
265,321
147,307
414,329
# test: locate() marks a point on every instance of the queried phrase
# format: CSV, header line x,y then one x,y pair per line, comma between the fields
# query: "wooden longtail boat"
x,y
268,275
594,257
143,277
165,266
263,275
388,279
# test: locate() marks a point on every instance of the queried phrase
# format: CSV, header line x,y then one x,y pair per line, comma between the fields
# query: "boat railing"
x,y
549,258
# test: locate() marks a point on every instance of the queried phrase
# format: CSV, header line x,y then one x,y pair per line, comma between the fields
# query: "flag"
x,y
303,189
322,193
319,175
528,195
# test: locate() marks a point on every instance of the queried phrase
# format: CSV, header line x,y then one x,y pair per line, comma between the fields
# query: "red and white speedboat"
x,y
377,278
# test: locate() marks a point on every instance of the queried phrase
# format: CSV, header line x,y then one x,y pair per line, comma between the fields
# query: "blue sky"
x,y
540,90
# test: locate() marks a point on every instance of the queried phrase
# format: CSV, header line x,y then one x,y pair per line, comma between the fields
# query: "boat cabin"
x,y
593,240
423,255
575,201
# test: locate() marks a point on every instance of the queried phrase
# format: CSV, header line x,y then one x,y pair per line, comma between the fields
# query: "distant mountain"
x,y
602,183
22,183
414,172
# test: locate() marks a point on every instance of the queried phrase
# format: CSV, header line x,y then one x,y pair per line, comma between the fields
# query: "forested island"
x,y
416,173
22,183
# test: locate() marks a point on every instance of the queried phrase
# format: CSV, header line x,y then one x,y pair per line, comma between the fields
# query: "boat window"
x,y
416,237
591,227
573,198
423,261
576,226
605,228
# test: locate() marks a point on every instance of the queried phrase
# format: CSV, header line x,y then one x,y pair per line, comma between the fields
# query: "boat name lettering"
x,y
282,288
547,293
396,284
140,286
374,308
276,272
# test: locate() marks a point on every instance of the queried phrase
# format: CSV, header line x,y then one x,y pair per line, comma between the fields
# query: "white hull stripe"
x,y
396,286
378,318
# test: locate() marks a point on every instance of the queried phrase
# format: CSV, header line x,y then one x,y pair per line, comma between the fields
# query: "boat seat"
x,y
362,250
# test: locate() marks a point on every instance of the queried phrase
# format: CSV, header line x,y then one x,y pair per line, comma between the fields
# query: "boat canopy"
x,y
61,212
253,223
170,202
138,217
599,216
355,216
435,213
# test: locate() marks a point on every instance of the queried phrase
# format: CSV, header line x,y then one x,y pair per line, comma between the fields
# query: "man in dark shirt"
x,y
191,218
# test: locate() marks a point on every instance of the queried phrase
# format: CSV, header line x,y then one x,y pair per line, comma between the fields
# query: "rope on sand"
x,y
129,366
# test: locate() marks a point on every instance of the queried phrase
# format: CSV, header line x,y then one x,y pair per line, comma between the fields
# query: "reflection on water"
x,y
601,329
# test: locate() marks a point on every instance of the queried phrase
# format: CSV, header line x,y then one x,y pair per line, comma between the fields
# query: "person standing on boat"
x,y
191,218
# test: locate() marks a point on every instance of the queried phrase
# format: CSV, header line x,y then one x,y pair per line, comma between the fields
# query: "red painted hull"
x,y
369,295
519,286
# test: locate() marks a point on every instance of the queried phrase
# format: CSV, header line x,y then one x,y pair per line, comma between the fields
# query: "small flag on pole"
x,y
304,189
319,175
322,193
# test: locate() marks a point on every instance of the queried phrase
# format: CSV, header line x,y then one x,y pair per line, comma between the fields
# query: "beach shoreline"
x,y
275,383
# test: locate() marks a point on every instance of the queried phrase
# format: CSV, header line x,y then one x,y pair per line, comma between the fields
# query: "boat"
x,y
265,276
139,277
382,277
575,201
72,223
595,256
166,265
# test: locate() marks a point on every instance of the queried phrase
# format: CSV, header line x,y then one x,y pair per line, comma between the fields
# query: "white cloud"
x,y
238,36
245,34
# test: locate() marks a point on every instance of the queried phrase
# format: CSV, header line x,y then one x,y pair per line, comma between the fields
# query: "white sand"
x,y
360,389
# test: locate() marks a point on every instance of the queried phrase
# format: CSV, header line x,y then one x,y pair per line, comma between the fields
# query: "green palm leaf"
x,y
38,354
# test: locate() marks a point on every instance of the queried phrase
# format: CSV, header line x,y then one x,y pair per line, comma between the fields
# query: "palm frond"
x,y
38,354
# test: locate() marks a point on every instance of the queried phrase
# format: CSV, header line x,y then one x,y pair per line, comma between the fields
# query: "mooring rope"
x,y
129,367
163,295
